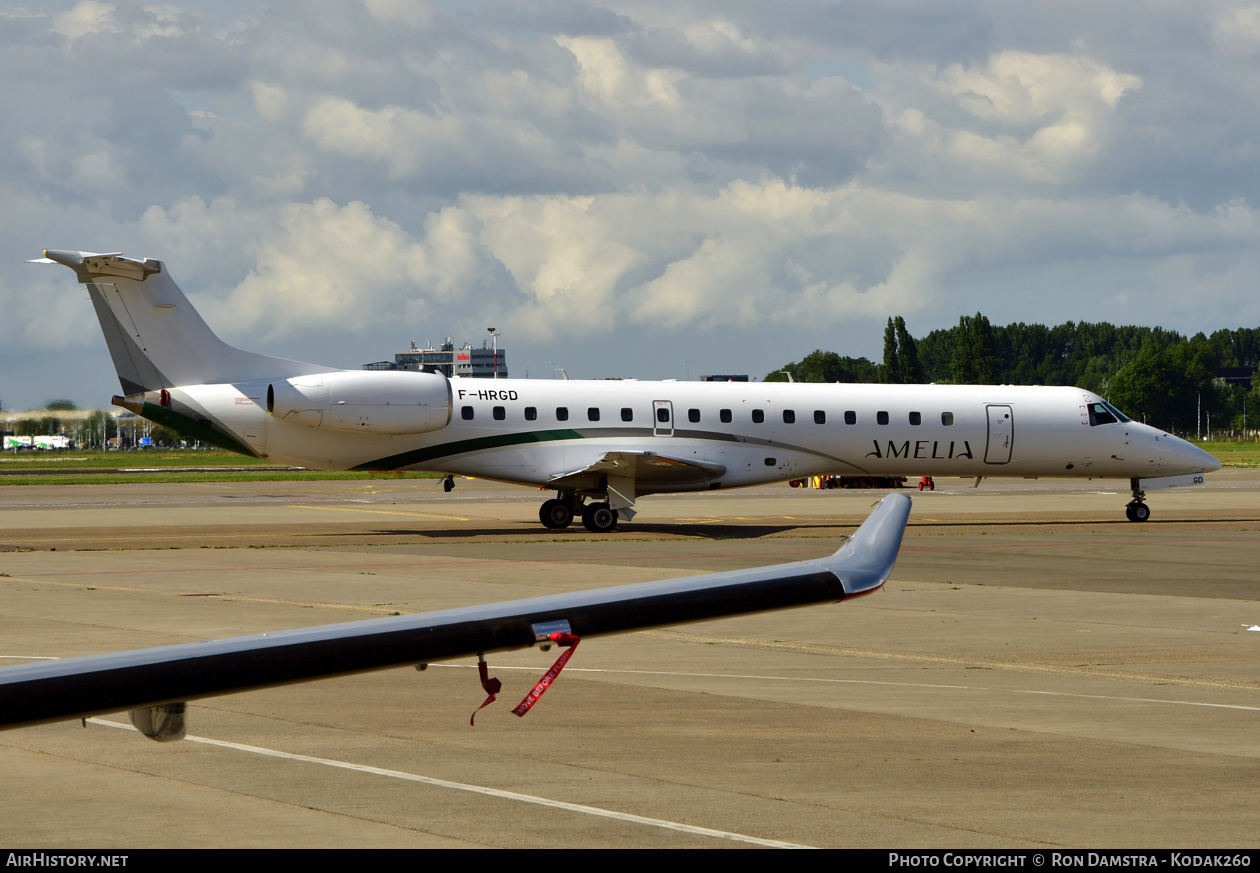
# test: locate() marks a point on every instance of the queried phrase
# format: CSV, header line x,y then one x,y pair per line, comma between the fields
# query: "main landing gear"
x,y
558,513
448,484
1137,510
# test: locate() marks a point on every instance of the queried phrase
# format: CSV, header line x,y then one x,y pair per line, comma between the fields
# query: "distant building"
x,y
723,378
480,363
1236,375
466,362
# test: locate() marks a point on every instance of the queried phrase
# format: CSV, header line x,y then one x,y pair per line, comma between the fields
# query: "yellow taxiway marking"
x,y
380,512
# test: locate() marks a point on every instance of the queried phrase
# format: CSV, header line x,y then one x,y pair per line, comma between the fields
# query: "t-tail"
x,y
159,342
155,336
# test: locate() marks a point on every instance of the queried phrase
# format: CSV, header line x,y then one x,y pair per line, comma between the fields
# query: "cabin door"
x,y
663,418
1001,435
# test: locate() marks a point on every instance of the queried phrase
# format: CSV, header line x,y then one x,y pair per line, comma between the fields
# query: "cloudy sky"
x,y
641,189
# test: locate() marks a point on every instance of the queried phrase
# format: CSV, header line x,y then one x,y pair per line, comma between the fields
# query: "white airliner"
x,y
599,444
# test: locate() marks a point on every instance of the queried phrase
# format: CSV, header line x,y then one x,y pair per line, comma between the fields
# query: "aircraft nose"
x,y
1193,458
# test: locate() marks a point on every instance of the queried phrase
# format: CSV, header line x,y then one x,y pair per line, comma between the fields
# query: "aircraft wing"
x,y
154,682
642,467
627,476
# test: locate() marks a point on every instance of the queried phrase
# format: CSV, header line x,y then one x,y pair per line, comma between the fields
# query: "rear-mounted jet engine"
x,y
390,402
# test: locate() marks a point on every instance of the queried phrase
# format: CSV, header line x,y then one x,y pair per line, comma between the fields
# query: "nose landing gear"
x,y
1137,510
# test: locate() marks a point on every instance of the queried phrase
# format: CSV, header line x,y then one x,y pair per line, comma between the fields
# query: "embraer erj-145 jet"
x,y
600,445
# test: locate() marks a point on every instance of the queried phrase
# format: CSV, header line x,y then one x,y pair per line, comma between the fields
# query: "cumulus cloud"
x,y
627,180
87,16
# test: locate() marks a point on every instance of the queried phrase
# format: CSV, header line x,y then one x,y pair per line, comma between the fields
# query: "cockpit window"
x,y
1100,413
1117,413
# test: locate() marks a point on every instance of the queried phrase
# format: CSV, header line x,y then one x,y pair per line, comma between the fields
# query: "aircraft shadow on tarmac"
x,y
697,531
1074,522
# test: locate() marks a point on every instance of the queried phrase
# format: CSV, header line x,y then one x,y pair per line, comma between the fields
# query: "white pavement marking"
x,y
1140,700
479,789
30,657
875,682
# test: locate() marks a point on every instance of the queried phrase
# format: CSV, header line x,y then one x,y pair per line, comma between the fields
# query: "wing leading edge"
x,y
170,675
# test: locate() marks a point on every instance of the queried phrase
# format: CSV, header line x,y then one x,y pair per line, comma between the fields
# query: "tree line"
x,y
1153,374
93,430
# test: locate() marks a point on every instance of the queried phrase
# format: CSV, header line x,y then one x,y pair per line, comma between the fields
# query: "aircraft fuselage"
x,y
532,431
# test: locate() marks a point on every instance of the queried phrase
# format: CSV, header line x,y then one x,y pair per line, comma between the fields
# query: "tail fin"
x,y
156,338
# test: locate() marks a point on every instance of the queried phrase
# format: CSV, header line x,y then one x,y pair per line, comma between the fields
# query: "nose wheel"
x,y
1137,510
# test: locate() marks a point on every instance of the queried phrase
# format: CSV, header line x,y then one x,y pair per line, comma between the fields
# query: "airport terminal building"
x,y
466,362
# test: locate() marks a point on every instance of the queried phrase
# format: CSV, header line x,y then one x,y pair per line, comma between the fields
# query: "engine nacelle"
x,y
367,401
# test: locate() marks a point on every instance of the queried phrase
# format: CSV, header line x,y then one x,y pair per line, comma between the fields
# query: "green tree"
x,y
820,366
164,436
890,372
99,426
60,405
908,366
1167,385
974,360
1144,388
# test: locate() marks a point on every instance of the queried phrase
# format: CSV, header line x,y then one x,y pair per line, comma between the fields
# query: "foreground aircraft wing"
x,y
155,682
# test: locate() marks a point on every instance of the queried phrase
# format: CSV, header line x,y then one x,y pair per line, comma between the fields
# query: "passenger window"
x,y
881,418
499,413
850,417
592,413
466,413
662,415
789,416
627,414
531,413
724,415
820,417
693,415
916,418
562,413
947,419
758,416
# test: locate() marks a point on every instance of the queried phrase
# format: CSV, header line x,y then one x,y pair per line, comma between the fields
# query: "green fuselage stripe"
x,y
459,447
445,450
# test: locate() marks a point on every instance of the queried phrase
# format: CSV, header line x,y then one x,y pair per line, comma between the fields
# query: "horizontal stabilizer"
x,y
169,675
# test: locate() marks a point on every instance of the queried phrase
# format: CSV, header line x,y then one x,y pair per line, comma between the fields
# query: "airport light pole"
x,y
495,334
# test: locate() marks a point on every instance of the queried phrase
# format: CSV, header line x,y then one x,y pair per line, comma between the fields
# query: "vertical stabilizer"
x,y
155,336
